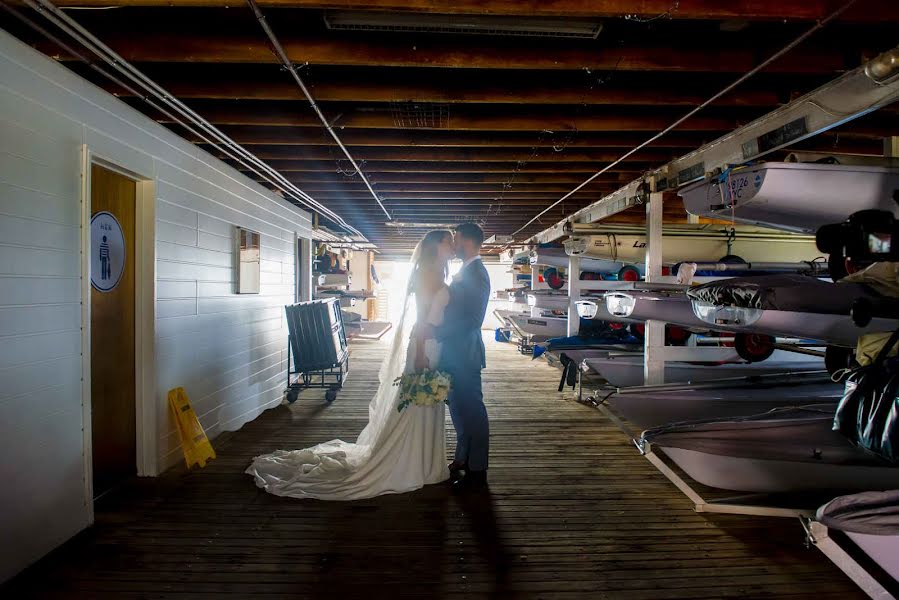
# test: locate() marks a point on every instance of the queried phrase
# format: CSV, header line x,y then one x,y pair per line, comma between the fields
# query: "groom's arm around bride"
x,y
463,354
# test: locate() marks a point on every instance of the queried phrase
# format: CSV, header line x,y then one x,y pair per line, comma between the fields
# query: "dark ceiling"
x,y
493,128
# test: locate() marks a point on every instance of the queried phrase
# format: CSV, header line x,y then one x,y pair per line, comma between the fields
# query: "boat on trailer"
x,y
538,328
548,300
781,451
793,196
700,243
670,306
651,406
870,521
559,301
504,315
517,295
557,257
626,370
787,305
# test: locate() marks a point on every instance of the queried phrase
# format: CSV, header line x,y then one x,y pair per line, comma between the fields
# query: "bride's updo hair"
x,y
427,268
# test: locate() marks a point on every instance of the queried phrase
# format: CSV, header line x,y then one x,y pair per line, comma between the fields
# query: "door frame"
x,y
303,259
146,458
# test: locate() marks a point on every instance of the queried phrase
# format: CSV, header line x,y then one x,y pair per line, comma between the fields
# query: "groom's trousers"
x,y
469,415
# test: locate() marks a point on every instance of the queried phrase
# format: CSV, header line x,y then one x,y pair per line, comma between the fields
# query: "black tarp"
x,y
793,434
874,513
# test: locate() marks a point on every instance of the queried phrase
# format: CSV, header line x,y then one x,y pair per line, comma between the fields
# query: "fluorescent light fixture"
x,y
414,225
463,24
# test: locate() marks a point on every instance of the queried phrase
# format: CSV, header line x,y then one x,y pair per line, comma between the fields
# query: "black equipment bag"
x,y
868,414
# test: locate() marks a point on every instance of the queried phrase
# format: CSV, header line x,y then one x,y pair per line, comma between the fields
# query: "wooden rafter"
x,y
437,51
280,157
510,90
447,167
685,9
269,136
471,120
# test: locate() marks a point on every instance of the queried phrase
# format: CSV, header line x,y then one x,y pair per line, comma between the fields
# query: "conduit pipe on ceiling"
x,y
292,69
209,133
677,123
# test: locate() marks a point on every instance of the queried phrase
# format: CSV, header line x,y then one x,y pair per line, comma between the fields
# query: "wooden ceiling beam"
x,y
392,50
513,91
840,139
470,120
441,138
425,197
805,10
449,167
462,206
456,205
284,157
464,178
465,209
467,190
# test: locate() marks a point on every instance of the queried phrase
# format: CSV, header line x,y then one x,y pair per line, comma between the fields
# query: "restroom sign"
x,y
107,251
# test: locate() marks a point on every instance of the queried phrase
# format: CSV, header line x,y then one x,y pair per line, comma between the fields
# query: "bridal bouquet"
x,y
424,388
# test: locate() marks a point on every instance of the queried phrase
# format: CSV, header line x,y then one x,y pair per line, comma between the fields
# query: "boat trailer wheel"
x,y
676,336
638,330
629,273
754,347
553,279
732,259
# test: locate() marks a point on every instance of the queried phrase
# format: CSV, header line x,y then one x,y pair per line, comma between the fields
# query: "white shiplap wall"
x,y
228,351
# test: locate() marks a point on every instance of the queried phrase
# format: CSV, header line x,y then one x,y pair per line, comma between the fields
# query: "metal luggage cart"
x,y
317,352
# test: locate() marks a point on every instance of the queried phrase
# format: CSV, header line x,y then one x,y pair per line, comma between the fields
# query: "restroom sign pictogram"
x,y
107,251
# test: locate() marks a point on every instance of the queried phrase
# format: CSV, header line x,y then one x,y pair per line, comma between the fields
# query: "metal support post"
x,y
654,341
574,294
891,147
535,276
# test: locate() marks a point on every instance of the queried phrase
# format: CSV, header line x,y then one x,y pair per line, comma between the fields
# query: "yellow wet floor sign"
x,y
194,442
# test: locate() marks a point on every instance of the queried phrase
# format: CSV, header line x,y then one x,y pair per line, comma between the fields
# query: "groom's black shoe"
x,y
456,468
472,481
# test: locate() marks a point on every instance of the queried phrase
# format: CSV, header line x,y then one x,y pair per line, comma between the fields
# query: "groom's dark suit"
x,y
462,355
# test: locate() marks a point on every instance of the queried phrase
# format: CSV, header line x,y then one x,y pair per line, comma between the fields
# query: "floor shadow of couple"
x,y
428,542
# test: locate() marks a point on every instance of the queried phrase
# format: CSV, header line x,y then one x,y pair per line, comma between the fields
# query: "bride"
x,y
397,451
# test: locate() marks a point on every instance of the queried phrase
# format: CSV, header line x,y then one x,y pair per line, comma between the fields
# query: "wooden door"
x,y
113,409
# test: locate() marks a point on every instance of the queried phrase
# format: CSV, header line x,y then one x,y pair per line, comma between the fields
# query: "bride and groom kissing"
x,y
402,450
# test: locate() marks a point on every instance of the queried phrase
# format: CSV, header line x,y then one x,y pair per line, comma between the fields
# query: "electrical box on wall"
x,y
248,261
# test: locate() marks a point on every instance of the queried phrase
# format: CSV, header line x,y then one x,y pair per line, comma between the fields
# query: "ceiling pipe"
x,y
293,70
726,90
209,133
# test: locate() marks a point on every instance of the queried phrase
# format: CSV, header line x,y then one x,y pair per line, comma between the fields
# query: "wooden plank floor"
x,y
573,512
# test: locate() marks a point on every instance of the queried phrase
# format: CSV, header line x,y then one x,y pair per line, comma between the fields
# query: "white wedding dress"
x,y
396,452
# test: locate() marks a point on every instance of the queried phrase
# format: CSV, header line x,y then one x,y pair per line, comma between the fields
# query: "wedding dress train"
x,y
396,452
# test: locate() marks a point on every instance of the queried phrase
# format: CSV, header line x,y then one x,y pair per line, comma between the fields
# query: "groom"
x,y
463,356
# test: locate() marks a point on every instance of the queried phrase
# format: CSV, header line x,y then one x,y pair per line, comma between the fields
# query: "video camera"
x,y
866,237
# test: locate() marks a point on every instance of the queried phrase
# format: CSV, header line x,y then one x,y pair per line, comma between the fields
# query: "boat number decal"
x,y
536,322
